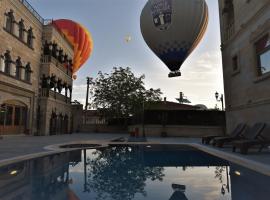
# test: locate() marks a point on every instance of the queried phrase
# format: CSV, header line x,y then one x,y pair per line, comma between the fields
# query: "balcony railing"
x,y
52,94
32,10
229,31
46,59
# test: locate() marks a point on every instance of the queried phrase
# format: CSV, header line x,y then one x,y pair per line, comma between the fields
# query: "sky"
x,y
110,21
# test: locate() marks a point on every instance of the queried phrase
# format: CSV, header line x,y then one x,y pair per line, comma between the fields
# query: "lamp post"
x,y
220,99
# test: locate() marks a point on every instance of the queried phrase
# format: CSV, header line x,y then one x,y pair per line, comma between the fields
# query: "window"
x,y
9,115
18,66
263,54
10,21
17,116
21,29
28,72
235,63
24,116
30,37
2,114
8,61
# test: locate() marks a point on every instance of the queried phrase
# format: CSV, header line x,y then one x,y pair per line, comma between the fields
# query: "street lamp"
x,y
220,99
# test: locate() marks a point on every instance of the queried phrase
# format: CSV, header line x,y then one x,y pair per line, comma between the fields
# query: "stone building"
x,y
245,35
35,73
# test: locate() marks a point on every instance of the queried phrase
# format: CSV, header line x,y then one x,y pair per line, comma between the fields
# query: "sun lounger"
x,y
235,133
262,141
249,134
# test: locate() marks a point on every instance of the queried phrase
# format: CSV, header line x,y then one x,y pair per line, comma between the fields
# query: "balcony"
x,y
46,59
54,95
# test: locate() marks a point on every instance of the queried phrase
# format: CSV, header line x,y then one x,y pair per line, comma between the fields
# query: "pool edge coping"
x,y
54,149
245,162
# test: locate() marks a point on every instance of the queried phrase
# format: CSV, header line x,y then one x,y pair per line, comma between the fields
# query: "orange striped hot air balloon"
x,y
81,39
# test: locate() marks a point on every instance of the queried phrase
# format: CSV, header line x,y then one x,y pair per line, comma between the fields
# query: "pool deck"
x,y
16,148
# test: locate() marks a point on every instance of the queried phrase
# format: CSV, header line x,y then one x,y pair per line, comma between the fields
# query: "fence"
x,y
182,117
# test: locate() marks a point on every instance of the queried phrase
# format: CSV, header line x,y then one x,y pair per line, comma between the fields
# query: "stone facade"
x,y
28,104
245,35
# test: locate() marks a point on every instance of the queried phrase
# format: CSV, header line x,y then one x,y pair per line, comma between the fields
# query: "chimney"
x,y
165,99
181,97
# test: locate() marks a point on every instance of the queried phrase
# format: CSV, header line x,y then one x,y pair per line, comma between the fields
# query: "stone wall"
x,y
177,130
99,128
47,107
10,87
247,93
13,88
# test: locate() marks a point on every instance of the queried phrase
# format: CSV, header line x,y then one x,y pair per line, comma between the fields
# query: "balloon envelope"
x,y
173,28
79,37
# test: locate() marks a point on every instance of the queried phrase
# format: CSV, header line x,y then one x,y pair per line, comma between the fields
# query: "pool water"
x,y
136,172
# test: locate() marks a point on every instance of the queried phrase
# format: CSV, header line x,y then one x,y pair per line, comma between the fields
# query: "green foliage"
x,y
121,94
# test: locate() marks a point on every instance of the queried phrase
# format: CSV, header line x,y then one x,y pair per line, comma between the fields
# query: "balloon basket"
x,y
174,74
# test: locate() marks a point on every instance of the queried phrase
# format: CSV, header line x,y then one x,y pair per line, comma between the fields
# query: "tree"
x,y
118,173
121,94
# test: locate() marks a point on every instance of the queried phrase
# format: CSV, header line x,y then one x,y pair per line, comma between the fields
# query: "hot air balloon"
x,y
173,29
128,38
81,39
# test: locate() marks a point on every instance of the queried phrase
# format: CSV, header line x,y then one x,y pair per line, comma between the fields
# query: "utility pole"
x,y
87,92
87,96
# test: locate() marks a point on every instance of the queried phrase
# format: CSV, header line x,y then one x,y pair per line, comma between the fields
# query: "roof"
x,y
92,113
168,105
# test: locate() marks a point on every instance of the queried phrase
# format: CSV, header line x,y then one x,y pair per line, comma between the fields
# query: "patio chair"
x,y
235,133
262,141
250,134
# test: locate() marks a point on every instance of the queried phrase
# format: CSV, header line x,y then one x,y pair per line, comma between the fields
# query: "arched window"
x,y
59,85
30,37
10,21
21,29
28,72
54,50
46,48
18,67
8,61
2,63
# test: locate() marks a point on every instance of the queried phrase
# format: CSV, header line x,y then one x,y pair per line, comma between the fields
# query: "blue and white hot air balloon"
x,y
173,29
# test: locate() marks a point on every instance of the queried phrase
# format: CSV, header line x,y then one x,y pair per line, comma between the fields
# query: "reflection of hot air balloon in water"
x,y
80,38
173,29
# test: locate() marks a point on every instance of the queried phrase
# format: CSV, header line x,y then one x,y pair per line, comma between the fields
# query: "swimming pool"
x,y
134,172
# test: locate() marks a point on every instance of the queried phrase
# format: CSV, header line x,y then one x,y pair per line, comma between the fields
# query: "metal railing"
x,y
32,10
54,95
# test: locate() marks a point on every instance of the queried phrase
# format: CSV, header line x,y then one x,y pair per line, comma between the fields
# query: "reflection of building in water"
x,y
245,35
35,73
15,182
43,179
